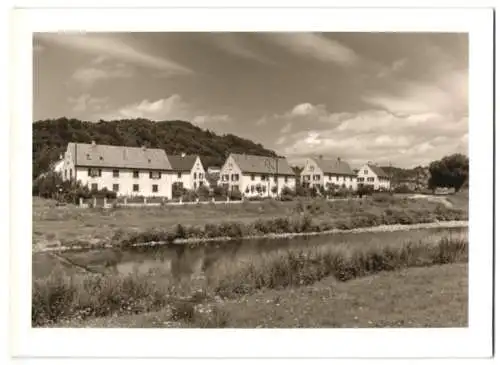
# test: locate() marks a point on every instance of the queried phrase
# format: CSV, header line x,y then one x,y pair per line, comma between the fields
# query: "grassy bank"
x,y
415,297
58,297
71,226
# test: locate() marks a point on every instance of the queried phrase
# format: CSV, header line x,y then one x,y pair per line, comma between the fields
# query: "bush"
x,y
203,192
235,195
189,196
402,189
287,194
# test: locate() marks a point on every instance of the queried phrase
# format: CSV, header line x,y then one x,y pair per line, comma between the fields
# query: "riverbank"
x,y
62,297
415,297
191,241
61,227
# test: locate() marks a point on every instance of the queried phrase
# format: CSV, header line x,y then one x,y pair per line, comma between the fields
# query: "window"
x,y
200,183
155,188
366,172
235,188
264,189
307,177
94,187
361,179
276,179
337,178
179,175
116,187
116,173
263,178
330,177
200,176
316,177
135,174
194,176
235,177
155,175
65,174
370,179
225,177
252,177
286,179
88,156
135,187
252,188
100,158
71,174
94,172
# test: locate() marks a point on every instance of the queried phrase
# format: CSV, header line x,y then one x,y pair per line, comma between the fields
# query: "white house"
x,y
188,171
372,175
128,171
323,172
256,175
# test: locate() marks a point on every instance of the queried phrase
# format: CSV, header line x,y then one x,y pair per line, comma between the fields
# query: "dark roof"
x,y
99,155
182,163
378,170
262,164
334,166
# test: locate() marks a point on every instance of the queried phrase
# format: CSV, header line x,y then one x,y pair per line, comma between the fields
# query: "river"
x,y
182,260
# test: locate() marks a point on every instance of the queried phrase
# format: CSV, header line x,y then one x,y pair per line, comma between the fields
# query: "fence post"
x,y
227,200
105,202
95,202
125,201
180,200
213,199
145,200
80,202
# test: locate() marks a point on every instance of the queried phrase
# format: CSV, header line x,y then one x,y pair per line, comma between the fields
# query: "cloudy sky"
x,y
388,98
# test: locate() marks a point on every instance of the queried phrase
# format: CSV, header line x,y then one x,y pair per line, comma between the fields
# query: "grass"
x,y
59,297
73,226
415,297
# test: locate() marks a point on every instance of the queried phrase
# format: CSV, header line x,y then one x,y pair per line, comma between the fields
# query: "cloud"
x,y
113,47
393,69
235,46
449,94
171,108
318,47
87,76
373,134
85,102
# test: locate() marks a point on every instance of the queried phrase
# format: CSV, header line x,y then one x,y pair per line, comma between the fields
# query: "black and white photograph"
x,y
262,179
250,180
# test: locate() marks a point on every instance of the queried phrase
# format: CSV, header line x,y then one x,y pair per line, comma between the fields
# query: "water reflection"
x,y
185,261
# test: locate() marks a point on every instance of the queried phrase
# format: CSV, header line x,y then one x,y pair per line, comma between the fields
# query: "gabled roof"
x,y
182,163
262,164
98,155
334,166
378,170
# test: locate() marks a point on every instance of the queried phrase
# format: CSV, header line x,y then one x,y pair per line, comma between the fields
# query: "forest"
x,y
51,137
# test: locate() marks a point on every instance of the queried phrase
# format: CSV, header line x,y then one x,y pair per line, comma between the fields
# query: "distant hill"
x,y
51,137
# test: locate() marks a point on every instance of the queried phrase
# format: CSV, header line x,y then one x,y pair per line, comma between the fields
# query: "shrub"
x,y
235,195
189,196
203,192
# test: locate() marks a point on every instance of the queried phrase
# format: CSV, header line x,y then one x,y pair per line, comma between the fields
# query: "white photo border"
x,y
474,341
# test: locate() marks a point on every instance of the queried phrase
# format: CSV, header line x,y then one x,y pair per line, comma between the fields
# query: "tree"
x,y
203,191
450,172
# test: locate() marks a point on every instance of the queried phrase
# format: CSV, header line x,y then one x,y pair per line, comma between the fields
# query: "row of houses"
x,y
130,171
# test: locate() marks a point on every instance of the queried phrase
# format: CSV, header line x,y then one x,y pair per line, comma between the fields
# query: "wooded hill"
x,y
51,137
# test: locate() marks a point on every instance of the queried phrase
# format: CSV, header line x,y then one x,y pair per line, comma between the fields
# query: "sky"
x,y
388,98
